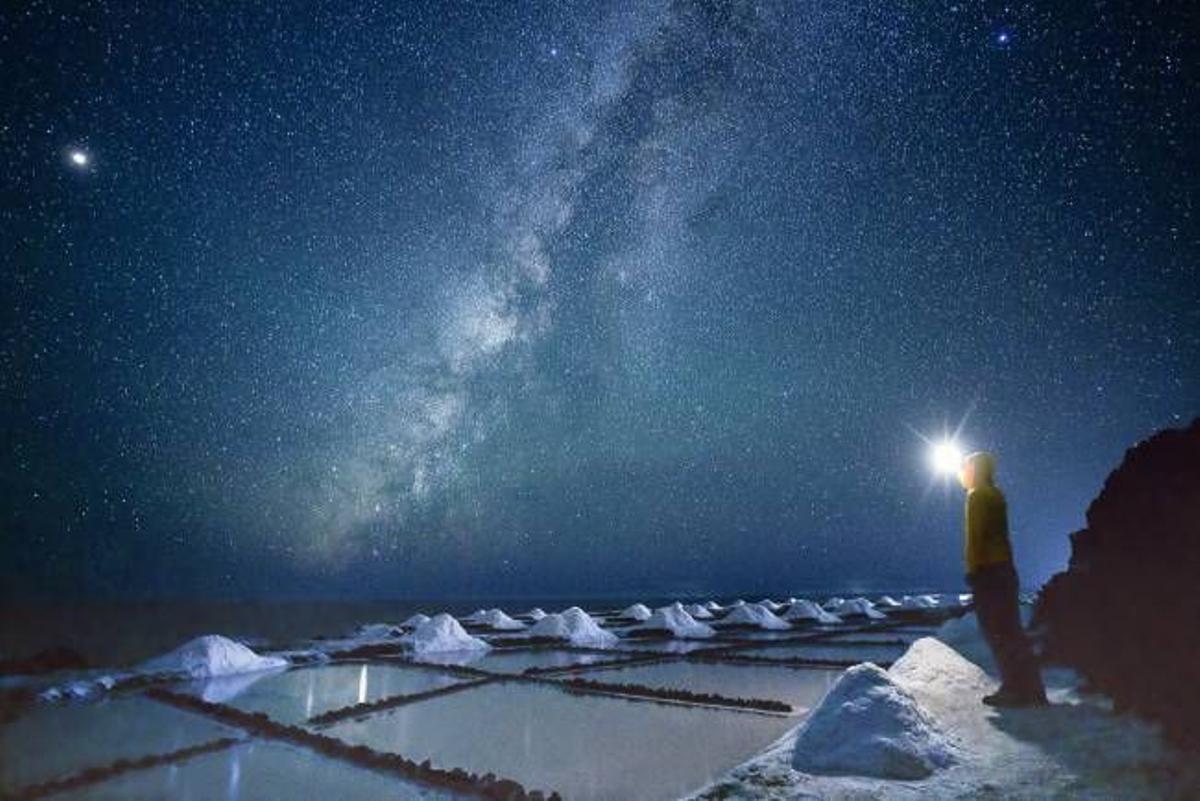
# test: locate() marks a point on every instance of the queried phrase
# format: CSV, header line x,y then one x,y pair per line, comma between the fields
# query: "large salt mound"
x,y
755,615
442,634
930,665
807,610
209,656
676,620
575,626
639,612
497,619
868,725
699,612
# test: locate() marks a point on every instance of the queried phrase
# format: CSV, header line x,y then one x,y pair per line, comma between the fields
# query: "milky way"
x,y
441,299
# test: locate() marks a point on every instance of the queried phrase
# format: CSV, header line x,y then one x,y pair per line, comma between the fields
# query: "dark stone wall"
x,y
1126,612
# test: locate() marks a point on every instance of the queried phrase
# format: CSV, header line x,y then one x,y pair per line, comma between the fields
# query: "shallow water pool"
x,y
296,695
253,772
53,741
518,661
840,652
803,688
585,747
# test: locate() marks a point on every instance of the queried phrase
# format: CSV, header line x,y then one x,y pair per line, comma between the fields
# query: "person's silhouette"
x,y
993,580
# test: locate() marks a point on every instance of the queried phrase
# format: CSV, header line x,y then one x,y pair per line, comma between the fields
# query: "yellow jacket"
x,y
986,528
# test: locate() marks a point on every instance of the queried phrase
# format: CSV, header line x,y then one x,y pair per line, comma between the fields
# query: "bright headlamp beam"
x,y
946,457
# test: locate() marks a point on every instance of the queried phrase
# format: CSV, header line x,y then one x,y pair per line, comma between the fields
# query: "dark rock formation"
x,y
1126,612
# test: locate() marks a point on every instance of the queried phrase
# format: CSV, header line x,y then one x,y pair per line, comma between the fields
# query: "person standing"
x,y
993,580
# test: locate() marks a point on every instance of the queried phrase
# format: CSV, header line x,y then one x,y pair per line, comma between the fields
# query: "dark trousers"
x,y
997,607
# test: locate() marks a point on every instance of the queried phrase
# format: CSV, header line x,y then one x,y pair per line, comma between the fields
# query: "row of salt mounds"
x,y
210,656
675,620
870,724
857,607
807,610
442,634
915,602
377,631
754,615
699,611
496,619
576,627
638,612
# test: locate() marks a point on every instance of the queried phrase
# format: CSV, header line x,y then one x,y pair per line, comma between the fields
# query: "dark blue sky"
x,y
475,299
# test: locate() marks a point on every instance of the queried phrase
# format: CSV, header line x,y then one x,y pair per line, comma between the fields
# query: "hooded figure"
x,y
993,580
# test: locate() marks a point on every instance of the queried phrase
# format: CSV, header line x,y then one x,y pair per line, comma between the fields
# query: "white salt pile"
x,y
859,607
868,725
442,634
415,621
676,620
209,656
576,627
535,614
699,612
803,610
498,620
639,612
755,615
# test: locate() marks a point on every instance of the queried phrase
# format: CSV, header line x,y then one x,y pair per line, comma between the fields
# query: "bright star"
x,y
78,158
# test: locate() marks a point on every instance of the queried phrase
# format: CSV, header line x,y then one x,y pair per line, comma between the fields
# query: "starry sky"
x,y
453,299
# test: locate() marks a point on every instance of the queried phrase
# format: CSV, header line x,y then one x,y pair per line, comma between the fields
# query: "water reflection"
x,y
235,774
225,688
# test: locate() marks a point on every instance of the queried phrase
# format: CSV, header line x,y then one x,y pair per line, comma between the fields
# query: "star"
x,y
79,158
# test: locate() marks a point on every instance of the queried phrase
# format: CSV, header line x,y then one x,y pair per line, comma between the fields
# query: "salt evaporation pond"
x,y
518,661
254,771
297,695
803,688
664,646
839,652
589,748
52,741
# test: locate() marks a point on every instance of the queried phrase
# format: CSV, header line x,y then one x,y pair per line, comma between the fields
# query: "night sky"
x,y
402,299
